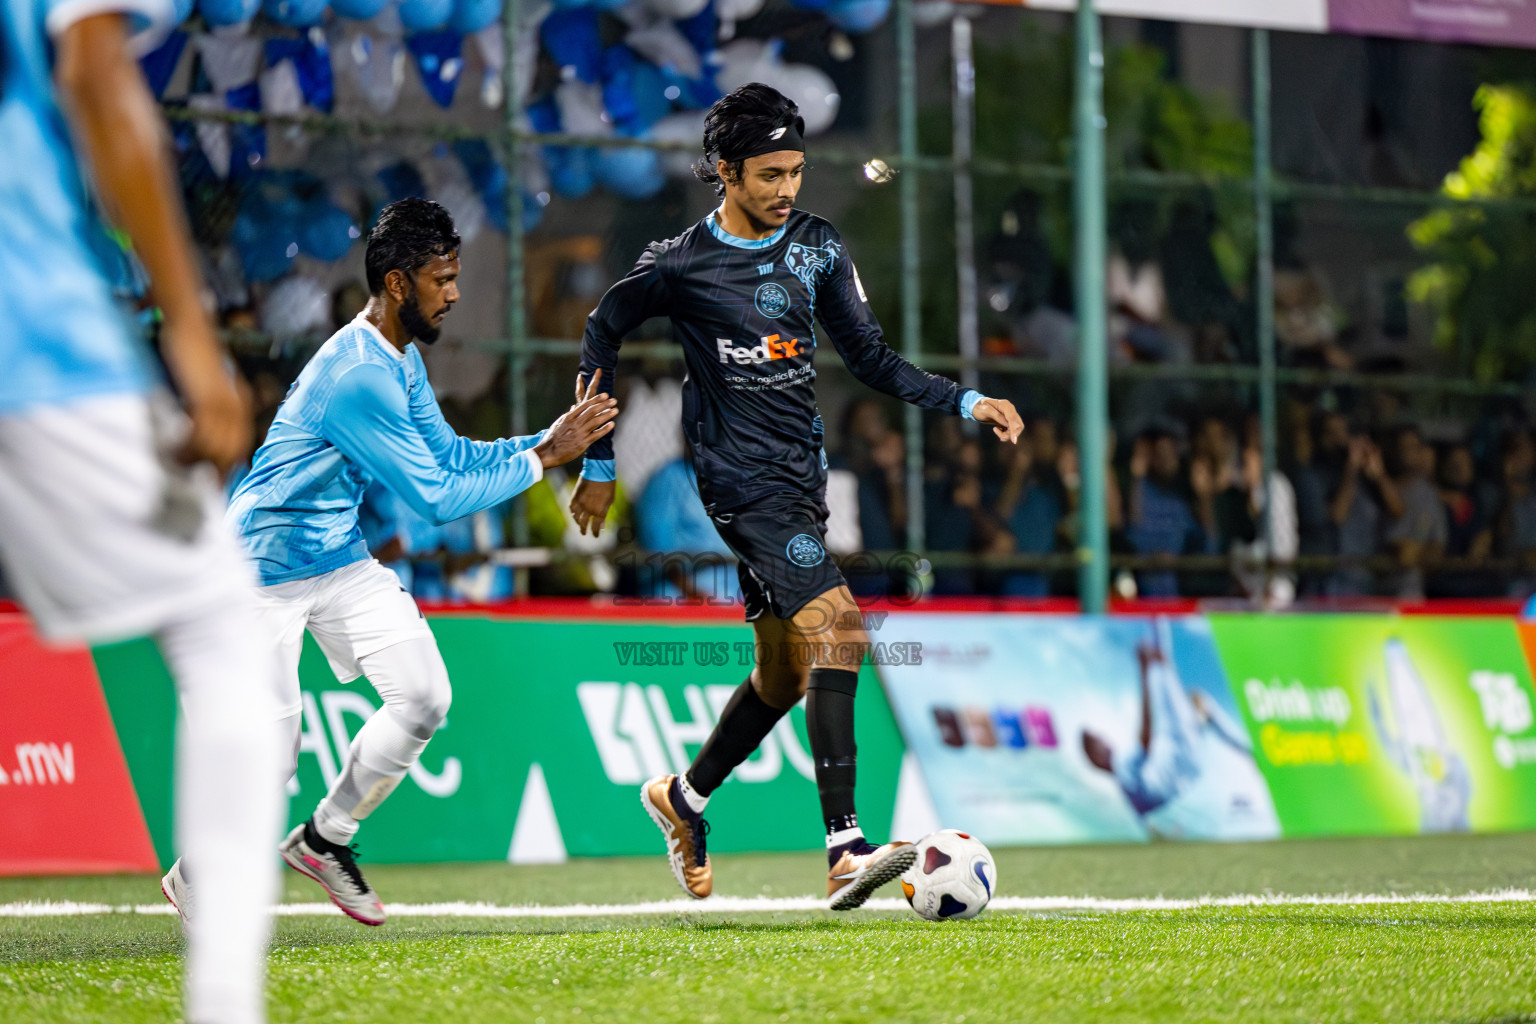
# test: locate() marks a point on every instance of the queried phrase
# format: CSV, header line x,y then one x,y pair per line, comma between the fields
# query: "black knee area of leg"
x,y
744,723
837,680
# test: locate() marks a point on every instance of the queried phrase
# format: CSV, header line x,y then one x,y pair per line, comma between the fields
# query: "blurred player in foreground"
x,y
111,515
743,288
362,410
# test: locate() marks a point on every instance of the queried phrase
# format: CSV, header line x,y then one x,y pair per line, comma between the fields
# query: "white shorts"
x,y
352,612
103,534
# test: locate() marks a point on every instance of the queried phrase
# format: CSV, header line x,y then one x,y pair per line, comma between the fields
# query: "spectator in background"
x,y
1274,585
1515,525
1029,505
1069,471
399,538
952,500
1161,507
1314,531
1138,301
437,563
690,562
1306,322
1232,516
1140,328
1417,534
1469,531
267,393
1021,278
1345,502
1198,295
470,576
877,456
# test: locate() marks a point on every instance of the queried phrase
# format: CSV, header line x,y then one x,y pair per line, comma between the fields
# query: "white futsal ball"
x,y
953,878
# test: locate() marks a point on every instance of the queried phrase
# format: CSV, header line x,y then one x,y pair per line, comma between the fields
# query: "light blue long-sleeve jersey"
x,y
360,411
65,337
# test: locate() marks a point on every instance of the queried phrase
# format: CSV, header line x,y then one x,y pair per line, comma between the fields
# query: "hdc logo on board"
x,y
638,737
1003,727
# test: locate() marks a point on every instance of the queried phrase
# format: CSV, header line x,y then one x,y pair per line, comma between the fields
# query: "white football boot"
x,y
176,890
335,868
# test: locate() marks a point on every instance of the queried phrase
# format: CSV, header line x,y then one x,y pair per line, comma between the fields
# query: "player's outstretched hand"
x,y
583,423
590,503
1000,414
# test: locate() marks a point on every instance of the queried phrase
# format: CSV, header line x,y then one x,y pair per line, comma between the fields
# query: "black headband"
x,y
791,136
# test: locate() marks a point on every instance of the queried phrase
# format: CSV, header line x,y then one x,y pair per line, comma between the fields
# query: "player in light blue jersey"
x,y
360,411
111,516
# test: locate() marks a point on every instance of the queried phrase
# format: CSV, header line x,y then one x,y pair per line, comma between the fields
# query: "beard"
x,y
416,323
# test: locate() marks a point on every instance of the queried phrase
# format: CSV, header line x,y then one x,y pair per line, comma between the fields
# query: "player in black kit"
x,y
742,289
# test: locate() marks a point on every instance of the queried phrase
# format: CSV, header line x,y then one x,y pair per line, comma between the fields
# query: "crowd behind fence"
x,y
1403,468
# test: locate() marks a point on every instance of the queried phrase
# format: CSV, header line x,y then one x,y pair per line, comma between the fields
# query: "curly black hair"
x,y
408,234
748,113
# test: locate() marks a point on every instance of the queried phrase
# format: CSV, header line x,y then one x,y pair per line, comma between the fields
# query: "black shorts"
x,y
780,543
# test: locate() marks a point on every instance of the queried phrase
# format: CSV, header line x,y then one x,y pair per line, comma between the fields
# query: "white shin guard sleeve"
x,y
378,759
228,802
411,678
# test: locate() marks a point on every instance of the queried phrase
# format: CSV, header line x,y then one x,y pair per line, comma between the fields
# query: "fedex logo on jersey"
x,y
768,348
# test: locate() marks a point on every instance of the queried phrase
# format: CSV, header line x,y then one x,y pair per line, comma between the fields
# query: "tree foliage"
x,y
1482,247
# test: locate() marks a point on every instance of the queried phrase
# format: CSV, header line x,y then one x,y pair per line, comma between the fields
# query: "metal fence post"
x,y
517,324
911,262
1088,193
964,107
1264,284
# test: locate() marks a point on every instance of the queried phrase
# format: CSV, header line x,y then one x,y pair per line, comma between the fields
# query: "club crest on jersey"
x,y
809,263
805,551
772,300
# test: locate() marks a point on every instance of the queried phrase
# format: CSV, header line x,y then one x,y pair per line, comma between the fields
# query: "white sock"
x,y
228,802
380,755
695,800
845,837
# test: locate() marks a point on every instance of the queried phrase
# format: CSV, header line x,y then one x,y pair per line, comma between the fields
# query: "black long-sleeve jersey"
x,y
744,314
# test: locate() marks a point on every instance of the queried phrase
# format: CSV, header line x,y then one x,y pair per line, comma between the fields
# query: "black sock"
x,y
744,724
317,841
829,720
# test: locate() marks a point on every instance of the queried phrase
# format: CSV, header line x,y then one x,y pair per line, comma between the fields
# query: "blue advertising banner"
x,y
1071,729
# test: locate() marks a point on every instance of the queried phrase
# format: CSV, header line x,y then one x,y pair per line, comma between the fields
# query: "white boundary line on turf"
x,y
766,905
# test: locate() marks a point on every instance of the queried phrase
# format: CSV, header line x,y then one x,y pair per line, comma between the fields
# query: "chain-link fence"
x,y
1402,457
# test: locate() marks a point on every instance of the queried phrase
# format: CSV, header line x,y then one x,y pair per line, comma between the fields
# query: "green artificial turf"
x,y
1383,962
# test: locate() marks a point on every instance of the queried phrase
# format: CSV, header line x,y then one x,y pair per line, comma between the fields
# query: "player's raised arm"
x,y
844,311
453,451
118,128
369,421
641,295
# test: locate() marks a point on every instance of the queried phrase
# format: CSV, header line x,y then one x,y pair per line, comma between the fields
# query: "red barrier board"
x,y
67,805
